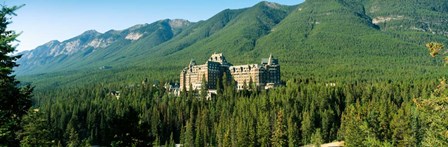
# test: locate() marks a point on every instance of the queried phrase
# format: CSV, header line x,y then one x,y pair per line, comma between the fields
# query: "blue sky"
x,y
41,21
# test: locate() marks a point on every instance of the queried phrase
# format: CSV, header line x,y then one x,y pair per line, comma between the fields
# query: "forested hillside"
x,y
304,111
353,70
335,40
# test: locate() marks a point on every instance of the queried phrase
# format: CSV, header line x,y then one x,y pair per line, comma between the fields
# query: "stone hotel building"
x,y
264,76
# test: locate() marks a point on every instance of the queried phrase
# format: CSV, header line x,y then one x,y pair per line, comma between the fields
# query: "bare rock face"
x,y
134,36
178,23
382,19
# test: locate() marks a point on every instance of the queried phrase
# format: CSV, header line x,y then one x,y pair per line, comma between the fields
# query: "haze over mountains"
x,y
330,38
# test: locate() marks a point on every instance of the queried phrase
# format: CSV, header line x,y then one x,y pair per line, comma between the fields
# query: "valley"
x,y
354,72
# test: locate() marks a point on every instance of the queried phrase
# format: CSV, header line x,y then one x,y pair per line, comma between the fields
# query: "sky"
x,y
41,21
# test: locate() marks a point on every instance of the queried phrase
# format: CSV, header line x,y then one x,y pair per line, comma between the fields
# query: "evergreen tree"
x,y
226,141
190,92
188,135
73,138
242,134
434,114
350,127
36,131
401,128
184,91
218,87
171,142
204,88
292,133
316,138
306,128
14,101
198,139
264,130
434,109
244,86
279,135
225,80
251,84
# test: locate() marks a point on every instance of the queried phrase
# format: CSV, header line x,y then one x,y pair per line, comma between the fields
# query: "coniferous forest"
x,y
311,109
304,111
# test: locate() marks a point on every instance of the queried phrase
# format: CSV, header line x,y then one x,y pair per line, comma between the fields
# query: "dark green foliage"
x,y
434,116
434,109
402,134
36,130
360,80
316,138
293,134
204,88
279,133
297,114
14,101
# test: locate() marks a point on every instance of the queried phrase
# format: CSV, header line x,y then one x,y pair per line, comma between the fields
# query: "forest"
x,y
405,106
304,111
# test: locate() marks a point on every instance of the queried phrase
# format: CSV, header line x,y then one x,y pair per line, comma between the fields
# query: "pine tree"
x,y
225,80
190,92
263,130
188,135
306,128
242,134
292,133
353,130
204,88
36,131
252,86
182,135
184,91
244,85
219,87
434,115
401,128
73,138
199,139
171,143
226,141
14,101
279,135
156,141
316,138
434,110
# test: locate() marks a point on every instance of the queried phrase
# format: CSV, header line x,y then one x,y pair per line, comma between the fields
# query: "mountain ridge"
x,y
330,39
88,42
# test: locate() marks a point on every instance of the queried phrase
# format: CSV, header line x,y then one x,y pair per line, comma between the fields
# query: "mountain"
x,y
92,46
427,16
234,32
324,38
329,39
